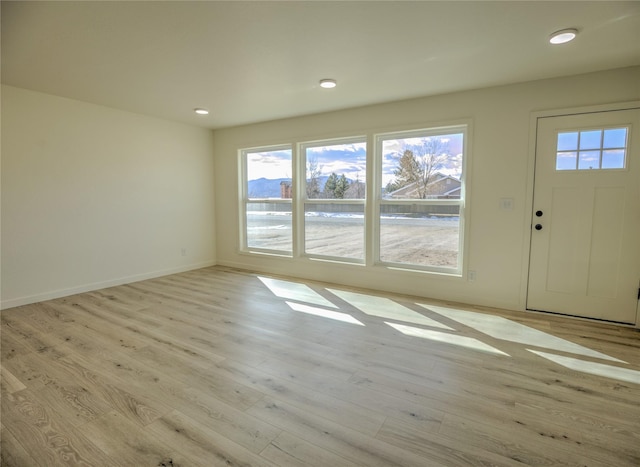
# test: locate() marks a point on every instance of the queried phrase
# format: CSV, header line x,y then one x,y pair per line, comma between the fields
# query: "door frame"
x,y
530,183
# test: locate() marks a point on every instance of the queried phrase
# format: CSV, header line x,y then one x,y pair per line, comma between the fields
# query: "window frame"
x,y
601,149
305,201
372,202
246,200
379,201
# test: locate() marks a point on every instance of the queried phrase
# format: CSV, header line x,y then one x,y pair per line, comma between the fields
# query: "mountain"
x,y
265,187
270,187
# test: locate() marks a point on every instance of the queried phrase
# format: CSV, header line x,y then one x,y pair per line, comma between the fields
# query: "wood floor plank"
x,y
289,450
424,417
360,418
545,449
225,389
118,394
31,369
8,381
347,443
496,407
541,386
204,447
620,449
175,384
33,339
440,449
90,305
236,425
45,435
103,331
126,444
215,367
74,404
60,390
12,346
12,453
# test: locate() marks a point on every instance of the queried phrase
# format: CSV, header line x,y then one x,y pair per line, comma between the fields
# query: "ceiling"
x,y
256,61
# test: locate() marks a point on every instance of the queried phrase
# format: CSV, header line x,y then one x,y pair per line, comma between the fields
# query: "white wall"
x,y
501,163
93,196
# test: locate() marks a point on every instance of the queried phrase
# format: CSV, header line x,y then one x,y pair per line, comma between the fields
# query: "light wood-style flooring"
x,y
219,367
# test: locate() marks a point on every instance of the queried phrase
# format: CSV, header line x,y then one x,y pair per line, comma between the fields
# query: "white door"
x,y
585,239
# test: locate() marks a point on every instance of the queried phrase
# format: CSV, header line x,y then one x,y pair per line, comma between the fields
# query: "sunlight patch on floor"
x,y
295,291
593,368
502,328
312,310
385,308
460,341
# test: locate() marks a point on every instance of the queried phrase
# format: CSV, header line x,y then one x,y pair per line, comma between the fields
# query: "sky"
x,y
350,159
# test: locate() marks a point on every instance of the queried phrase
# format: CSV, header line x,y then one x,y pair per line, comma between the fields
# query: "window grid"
x,y
585,154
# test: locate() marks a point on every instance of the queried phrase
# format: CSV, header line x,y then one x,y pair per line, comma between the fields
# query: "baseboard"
x,y
53,294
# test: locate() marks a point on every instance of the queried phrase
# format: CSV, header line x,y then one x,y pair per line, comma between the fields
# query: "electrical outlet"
x,y
184,252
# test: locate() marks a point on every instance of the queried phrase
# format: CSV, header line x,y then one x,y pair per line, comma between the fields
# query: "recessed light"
x,y
201,111
328,83
563,36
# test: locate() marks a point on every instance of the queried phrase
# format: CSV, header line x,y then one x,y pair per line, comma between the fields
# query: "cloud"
x,y
269,164
270,157
347,159
350,159
339,149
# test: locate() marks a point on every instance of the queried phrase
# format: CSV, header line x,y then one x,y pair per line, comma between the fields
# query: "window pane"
x,y
422,167
336,171
420,235
613,159
269,226
590,139
568,141
612,142
335,230
588,160
615,138
269,174
566,160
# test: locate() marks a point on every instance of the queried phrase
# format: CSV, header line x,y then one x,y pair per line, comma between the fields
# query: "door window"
x,y
603,148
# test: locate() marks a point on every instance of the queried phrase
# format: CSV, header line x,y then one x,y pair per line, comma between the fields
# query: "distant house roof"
x,y
441,186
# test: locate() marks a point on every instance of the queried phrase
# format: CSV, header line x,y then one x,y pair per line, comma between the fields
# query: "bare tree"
x,y
356,189
313,178
435,152
417,167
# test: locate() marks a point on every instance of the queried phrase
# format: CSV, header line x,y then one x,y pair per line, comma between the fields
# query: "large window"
x,y
313,199
267,192
421,203
334,198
